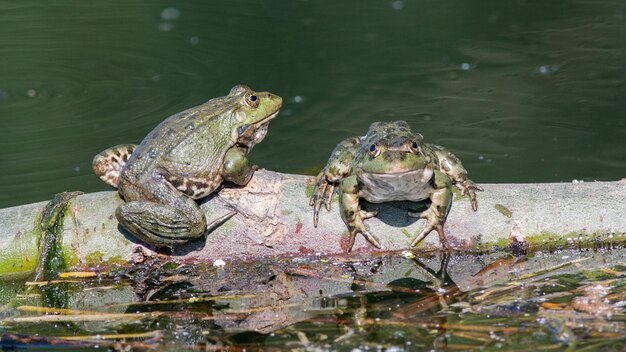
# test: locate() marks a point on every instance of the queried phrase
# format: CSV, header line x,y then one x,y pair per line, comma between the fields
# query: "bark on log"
x,y
274,219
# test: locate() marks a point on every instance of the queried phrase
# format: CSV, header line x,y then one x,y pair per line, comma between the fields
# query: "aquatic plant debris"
x,y
538,300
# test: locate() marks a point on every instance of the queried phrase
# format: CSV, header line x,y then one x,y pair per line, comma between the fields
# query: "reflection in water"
x,y
437,300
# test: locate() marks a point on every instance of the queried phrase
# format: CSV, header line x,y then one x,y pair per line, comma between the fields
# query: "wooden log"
x,y
274,219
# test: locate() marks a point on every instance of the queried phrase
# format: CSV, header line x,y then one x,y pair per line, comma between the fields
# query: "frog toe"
x,y
321,196
365,232
427,230
420,214
368,214
469,188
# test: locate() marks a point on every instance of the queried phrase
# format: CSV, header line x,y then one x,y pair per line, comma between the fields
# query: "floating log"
x,y
274,219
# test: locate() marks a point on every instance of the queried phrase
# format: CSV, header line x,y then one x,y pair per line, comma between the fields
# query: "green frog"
x,y
391,163
186,157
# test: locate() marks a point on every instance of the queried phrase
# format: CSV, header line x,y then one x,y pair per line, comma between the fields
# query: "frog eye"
x,y
374,150
415,148
252,100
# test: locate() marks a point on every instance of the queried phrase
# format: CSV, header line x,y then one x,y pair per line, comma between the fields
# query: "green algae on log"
x,y
274,219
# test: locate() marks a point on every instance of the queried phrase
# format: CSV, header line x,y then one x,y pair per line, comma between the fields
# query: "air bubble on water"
x,y
194,40
31,93
481,157
397,4
465,66
547,69
165,26
170,13
297,99
156,78
77,169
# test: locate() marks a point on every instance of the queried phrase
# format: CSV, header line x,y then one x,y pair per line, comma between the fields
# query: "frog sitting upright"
x,y
186,157
391,163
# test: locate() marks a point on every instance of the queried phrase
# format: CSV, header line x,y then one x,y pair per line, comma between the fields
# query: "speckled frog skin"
x,y
391,163
184,158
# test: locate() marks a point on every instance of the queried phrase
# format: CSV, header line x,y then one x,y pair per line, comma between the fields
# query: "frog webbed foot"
x,y
433,223
322,194
359,227
469,188
436,214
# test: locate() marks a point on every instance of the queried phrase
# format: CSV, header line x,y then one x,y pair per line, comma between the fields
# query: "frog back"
x,y
190,143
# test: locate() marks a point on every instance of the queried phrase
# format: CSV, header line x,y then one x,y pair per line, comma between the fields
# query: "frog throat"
x,y
250,134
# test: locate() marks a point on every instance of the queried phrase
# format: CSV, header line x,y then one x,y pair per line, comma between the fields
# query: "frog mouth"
x,y
249,135
269,117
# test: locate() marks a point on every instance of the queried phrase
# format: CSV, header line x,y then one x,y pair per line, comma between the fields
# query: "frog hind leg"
x,y
174,221
108,164
352,214
436,214
451,166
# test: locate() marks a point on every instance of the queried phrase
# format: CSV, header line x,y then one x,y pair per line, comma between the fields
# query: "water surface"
x,y
522,91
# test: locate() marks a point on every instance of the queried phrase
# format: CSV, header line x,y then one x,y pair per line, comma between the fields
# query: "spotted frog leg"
x,y
451,171
108,164
451,166
339,166
337,173
351,213
437,212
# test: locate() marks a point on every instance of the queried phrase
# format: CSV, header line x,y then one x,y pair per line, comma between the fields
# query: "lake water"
x,y
522,91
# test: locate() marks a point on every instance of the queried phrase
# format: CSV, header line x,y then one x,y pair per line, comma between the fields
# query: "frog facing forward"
x,y
391,163
186,157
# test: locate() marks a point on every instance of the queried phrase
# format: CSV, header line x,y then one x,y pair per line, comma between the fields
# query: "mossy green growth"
x,y
70,258
549,240
310,187
18,260
504,210
39,250
52,259
94,258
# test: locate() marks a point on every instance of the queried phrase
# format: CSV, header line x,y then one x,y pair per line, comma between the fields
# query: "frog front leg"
x,y
451,166
237,169
338,167
436,214
351,213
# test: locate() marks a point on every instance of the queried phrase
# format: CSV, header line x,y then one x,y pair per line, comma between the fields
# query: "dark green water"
x,y
522,91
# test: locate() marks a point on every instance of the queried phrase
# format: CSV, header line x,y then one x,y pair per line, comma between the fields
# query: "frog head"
x,y
252,111
392,148
394,163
